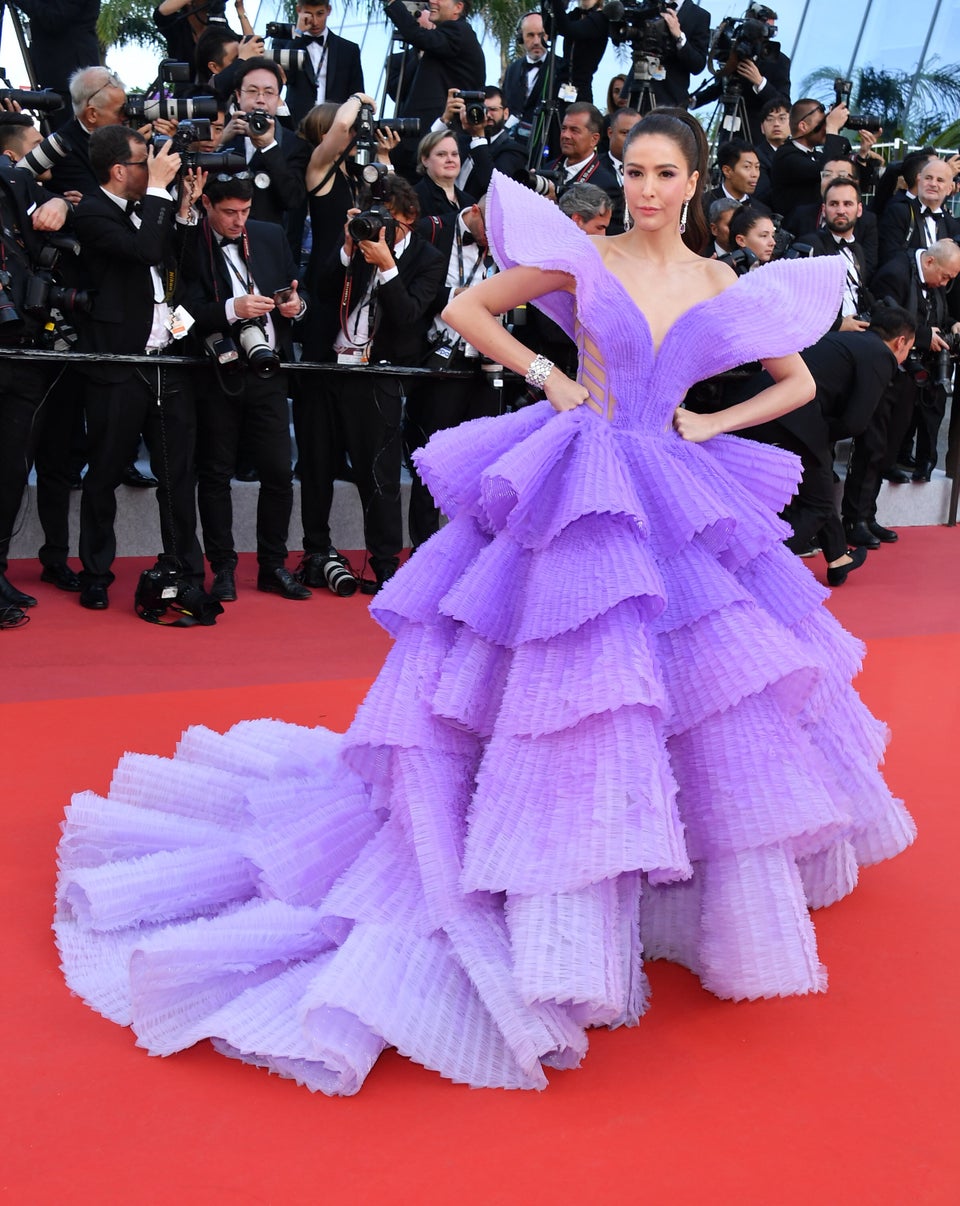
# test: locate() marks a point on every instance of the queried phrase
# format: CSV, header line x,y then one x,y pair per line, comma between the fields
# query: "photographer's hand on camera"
x,y
162,167
837,118
387,141
51,215
937,342
672,22
750,71
454,109
250,47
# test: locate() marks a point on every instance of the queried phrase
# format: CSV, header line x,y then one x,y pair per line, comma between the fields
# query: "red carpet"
x,y
849,1097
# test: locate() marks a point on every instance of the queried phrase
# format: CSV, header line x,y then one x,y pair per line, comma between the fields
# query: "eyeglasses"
x,y
806,116
134,162
266,93
113,81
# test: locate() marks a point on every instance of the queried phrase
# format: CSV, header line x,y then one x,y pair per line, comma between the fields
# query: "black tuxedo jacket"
x,y
451,58
74,170
688,60
514,88
503,154
207,281
115,262
344,74
21,193
599,171
585,34
810,217
823,243
404,304
776,72
899,280
795,178
286,165
903,229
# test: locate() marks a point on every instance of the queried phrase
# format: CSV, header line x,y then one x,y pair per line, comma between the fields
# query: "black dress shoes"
x,y
371,588
898,477
61,576
225,585
837,575
884,535
132,476
860,535
11,597
281,582
93,595
922,473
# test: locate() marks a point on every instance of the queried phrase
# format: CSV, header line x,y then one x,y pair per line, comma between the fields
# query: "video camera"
x,y
743,39
855,121
640,24
190,132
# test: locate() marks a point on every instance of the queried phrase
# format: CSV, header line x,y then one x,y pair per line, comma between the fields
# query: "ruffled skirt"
x,y
616,724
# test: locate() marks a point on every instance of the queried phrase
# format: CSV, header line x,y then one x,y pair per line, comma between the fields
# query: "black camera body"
x,y
365,133
163,589
258,120
855,121
198,130
282,30
43,101
374,215
741,260
475,114
43,294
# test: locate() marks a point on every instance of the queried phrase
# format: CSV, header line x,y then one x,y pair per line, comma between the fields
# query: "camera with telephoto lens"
x,y
541,181
258,121
282,30
288,59
44,155
796,251
330,570
10,318
43,101
189,132
946,356
842,89
151,108
365,133
474,112
42,293
255,345
216,11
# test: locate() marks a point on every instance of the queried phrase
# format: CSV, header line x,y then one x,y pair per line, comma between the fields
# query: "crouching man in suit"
x,y
241,287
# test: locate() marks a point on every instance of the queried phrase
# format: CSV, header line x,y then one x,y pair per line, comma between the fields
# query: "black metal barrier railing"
x,y
311,366
300,366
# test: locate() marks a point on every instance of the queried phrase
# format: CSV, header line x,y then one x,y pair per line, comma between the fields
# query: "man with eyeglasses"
x,y
814,138
98,96
276,158
129,260
486,146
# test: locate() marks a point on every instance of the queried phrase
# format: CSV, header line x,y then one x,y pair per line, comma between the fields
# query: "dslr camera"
x,y
375,216
365,132
190,132
856,121
143,108
474,112
43,293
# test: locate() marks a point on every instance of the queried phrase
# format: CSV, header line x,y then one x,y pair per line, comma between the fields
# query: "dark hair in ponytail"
x,y
687,133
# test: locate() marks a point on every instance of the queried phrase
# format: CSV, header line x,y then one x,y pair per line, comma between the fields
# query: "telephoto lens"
x,y
337,575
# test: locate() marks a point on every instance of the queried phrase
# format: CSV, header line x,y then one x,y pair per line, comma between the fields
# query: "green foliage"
x,y
123,22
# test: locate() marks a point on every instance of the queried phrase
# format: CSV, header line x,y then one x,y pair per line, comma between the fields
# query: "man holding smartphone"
x,y
242,291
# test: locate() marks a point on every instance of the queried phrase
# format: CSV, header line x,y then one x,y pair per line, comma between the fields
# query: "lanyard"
x,y
246,285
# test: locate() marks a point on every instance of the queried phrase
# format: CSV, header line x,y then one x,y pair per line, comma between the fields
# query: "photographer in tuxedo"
x,y
333,70
919,219
842,209
523,80
241,287
688,26
490,147
450,56
814,138
388,283
131,261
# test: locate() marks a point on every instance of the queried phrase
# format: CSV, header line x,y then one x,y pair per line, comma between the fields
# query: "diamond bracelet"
x,y
538,372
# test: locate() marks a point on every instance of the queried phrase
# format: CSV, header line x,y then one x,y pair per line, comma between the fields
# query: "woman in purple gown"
x,y
616,723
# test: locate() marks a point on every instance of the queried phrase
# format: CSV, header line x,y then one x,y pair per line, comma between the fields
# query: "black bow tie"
x,y
467,239
315,38
931,213
237,242
132,207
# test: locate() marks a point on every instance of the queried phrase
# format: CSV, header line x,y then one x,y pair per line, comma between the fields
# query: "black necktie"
x,y
132,207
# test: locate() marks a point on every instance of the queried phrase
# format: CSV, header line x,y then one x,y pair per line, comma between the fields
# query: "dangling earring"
x,y
627,219
683,217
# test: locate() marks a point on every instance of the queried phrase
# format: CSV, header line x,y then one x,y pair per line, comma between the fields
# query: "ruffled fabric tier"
x,y
616,723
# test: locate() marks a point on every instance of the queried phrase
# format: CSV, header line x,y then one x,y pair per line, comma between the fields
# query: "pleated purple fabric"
x,y
616,724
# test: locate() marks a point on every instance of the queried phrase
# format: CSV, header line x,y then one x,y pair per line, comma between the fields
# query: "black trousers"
x,y
61,435
812,512
431,407
931,407
159,402
357,415
22,388
259,416
877,448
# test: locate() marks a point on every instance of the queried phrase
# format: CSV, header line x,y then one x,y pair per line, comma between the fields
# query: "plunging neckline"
x,y
656,350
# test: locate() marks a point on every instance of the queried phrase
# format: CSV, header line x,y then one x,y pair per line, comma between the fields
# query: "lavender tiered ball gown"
x,y
616,724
